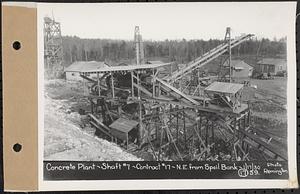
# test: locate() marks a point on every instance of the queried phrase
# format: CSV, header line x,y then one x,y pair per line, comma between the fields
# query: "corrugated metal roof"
x,y
80,66
126,68
224,87
124,125
272,61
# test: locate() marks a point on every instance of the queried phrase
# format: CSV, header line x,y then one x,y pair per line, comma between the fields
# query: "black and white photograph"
x,y
196,88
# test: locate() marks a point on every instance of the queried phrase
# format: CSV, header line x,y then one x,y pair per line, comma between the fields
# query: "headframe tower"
x,y
139,49
53,52
225,73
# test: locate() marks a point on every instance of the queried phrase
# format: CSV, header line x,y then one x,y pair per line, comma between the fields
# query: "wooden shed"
x,y
121,128
272,66
229,94
73,71
241,69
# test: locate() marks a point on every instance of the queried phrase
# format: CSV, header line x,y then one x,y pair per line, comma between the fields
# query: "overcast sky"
x,y
159,21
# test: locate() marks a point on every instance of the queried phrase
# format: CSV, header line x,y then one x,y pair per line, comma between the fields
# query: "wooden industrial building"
x,y
72,72
272,66
241,69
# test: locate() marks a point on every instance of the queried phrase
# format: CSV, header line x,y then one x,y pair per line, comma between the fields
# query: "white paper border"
x,y
166,184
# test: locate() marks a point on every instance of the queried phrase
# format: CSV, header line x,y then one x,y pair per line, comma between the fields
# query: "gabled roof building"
x,y
73,71
272,66
241,69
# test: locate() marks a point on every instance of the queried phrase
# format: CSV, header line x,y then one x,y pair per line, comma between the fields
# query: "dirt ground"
x,y
64,136
268,106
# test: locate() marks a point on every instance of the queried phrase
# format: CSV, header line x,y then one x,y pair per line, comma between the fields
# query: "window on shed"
x,y
272,68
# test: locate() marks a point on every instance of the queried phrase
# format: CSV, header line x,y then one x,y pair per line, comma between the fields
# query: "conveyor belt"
x,y
169,88
206,58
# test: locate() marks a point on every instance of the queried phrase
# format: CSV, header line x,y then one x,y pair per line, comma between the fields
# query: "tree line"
x,y
181,51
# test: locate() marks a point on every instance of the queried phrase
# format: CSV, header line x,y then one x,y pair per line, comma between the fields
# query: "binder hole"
x,y
16,45
17,147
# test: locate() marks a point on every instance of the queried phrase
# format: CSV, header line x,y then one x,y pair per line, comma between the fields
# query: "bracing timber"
x,y
172,118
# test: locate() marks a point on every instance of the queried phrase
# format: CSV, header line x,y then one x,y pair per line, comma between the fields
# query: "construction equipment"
x,y
206,58
176,125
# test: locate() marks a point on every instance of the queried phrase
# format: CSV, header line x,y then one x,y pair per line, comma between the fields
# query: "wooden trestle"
x,y
172,124
176,119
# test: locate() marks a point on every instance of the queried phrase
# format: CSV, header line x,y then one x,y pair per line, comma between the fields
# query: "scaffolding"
x,y
53,52
206,123
225,70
